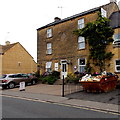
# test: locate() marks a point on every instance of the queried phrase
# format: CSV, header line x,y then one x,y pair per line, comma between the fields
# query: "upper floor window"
x,y
117,65
116,38
49,48
81,65
103,12
81,42
81,23
49,33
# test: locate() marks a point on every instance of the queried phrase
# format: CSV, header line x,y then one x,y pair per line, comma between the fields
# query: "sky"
x,y
19,19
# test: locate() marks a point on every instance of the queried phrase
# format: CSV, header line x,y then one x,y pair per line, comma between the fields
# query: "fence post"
x,y
63,87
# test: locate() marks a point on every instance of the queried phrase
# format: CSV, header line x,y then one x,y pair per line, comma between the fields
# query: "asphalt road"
x,y
21,108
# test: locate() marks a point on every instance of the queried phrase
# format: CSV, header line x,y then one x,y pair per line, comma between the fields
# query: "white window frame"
x,y
48,66
81,23
116,39
56,66
49,33
79,70
117,66
49,48
103,12
81,42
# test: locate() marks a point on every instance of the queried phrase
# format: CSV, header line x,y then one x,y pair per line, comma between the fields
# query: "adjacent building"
x,y
15,59
115,47
60,50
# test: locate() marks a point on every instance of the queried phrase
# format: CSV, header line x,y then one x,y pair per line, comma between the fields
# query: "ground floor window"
x,y
117,65
81,64
56,66
48,66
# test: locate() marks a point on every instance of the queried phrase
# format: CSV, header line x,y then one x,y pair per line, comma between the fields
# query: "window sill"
x,y
49,54
116,45
81,49
49,37
117,72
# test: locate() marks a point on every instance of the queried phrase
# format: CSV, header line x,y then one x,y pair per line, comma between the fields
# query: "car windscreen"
x,y
3,76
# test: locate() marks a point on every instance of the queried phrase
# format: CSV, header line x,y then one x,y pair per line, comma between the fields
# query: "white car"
x,y
11,80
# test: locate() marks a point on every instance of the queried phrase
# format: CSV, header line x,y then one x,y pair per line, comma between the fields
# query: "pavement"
x,y
52,93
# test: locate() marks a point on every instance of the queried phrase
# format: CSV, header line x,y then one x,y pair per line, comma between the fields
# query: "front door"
x,y
64,69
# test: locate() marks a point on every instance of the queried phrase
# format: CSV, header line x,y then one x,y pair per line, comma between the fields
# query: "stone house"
x,y
15,59
60,50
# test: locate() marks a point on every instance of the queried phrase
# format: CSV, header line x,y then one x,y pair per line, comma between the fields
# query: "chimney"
x,y
7,43
119,5
113,1
57,19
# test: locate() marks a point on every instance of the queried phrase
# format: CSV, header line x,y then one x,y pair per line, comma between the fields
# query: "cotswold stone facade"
x,y
15,59
59,49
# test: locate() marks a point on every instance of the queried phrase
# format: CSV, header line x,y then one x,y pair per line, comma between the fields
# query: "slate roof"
x,y
115,20
5,48
72,17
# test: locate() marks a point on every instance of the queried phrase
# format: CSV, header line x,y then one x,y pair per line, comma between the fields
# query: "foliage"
x,y
98,35
73,78
50,78
56,74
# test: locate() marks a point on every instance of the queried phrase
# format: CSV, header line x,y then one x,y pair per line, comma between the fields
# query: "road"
x,y
25,108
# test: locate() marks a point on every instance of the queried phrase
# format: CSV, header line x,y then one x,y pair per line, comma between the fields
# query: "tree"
x,y
98,34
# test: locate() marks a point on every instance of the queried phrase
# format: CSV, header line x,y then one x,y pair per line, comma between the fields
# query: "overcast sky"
x,y
19,19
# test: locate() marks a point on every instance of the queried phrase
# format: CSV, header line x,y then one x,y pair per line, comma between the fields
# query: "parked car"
x,y
11,80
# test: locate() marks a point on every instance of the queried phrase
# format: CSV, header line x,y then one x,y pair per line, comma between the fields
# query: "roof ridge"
x,y
7,47
74,16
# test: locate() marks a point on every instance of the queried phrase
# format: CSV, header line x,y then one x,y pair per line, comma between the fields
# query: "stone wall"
x,y
17,60
64,42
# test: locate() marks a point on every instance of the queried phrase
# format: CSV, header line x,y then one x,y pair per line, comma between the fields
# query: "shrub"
x,y
70,78
56,74
74,78
44,80
49,79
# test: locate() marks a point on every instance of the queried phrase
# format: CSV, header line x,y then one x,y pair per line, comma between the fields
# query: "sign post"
x,y
63,87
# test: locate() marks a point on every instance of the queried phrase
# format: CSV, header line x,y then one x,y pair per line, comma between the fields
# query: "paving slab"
x,y
41,88
42,97
93,105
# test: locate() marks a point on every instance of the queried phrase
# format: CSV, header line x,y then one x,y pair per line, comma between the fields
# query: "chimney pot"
x,y
56,19
7,42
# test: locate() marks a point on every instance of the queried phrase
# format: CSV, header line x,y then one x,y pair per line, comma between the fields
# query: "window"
x,y
48,66
81,65
49,33
116,38
81,23
3,76
81,42
12,76
103,12
117,65
56,66
49,48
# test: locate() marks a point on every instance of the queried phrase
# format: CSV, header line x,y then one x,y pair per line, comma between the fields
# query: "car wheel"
x,y
11,85
33,82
